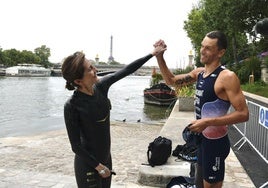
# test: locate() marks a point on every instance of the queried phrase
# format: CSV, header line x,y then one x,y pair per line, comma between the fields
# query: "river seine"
x,y
30,105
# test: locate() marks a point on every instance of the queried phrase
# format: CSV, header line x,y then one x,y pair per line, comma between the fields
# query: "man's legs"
x,y
198,176
212,185
211,159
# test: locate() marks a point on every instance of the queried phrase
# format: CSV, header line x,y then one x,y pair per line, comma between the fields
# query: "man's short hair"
x,y
222,40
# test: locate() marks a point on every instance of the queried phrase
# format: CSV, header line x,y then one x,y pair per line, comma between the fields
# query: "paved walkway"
x,y
46,160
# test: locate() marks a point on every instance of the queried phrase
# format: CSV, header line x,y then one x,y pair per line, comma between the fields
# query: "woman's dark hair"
x,y
222,40
72,69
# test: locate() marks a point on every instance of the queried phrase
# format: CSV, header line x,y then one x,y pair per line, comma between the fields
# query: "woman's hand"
x,y
103,171
159,48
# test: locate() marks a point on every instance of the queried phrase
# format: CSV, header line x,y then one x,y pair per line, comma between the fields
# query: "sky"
x,y
67,26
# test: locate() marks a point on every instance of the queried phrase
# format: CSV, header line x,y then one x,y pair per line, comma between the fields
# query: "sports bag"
x,y
181,182
188,151
191,138
159,151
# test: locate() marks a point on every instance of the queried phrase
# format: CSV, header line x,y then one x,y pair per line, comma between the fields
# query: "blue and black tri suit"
x,y
87,120
215,145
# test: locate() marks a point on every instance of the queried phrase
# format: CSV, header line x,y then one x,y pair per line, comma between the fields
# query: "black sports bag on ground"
x,y
159,151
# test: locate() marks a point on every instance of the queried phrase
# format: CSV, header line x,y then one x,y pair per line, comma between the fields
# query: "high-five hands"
x,y
160,47
160,43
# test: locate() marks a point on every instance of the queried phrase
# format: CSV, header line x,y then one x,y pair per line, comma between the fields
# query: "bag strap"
x,y
148,154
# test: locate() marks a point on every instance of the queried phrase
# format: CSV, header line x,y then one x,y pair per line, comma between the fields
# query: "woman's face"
x,y
90,75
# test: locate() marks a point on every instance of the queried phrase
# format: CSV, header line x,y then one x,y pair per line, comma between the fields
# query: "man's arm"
x,y
176,80
231,85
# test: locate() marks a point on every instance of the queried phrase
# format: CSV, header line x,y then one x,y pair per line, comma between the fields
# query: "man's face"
x,y
209,51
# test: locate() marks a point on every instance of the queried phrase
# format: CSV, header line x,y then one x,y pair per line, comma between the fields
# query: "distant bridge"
x,y
143,71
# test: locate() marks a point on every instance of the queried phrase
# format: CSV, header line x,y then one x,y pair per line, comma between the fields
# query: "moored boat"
x,y
159,94
28,70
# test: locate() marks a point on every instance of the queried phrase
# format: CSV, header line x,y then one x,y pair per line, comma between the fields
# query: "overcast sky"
x,y
66,26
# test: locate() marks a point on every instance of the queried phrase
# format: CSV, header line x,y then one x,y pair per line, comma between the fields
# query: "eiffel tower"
x,y
111,58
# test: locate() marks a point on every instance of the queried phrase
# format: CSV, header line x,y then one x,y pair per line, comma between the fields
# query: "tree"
x,y
1,56
43,53
195,28
29,57
235,18
11,57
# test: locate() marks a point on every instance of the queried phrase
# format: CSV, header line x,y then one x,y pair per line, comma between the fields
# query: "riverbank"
x,y
46,159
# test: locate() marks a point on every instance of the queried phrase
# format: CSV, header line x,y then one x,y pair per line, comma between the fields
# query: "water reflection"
x,y
156,113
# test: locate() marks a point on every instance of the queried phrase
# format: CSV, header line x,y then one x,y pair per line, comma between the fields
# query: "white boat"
x,y
28,70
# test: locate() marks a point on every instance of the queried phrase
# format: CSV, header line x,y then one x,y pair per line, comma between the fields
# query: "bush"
x,y
258,88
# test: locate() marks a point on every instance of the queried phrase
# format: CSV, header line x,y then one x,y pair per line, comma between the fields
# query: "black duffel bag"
x,y
159,151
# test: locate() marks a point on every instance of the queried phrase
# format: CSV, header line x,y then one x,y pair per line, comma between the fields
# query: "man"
x,y
216,89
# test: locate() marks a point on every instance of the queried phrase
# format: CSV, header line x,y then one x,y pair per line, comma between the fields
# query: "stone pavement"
x,y
46,160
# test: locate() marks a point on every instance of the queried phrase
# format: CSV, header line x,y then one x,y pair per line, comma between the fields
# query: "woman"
x,y
87,117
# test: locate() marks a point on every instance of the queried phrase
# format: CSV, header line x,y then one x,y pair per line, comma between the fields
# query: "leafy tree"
x,y
114,63
235,18
245,68
43,53
11,57
29,57
1,56
195,28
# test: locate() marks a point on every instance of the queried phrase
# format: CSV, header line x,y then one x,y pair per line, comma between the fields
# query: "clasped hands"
x,y
160,47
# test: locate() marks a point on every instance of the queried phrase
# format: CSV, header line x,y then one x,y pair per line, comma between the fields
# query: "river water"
x,y
30,105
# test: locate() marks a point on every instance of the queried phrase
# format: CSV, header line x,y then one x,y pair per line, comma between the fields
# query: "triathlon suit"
x,y
215,145
87,120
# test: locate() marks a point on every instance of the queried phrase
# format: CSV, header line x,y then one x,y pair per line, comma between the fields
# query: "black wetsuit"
x,y
87,120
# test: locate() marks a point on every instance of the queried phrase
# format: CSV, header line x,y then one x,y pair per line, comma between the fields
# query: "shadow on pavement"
x,y
254,165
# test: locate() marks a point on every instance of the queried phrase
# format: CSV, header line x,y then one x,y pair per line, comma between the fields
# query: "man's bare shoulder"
x,y
227,74
199,69
194,73
229,79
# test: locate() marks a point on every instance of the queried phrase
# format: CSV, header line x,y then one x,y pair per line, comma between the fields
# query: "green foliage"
x,y
235,18
185,91
183,71
265,60
156,78
103,63
114,63
247,67
258,88
13,57
43,53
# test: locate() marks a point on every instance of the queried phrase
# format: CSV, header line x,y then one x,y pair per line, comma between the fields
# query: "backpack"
x,y
159,151
186,152
181,182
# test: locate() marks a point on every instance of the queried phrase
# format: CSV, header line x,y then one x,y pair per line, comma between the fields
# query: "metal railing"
x,y
254,132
